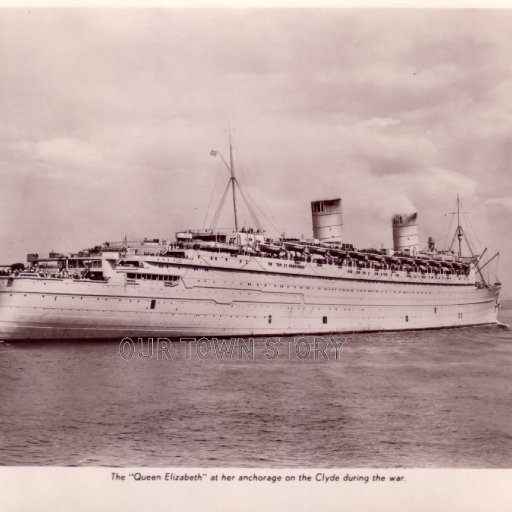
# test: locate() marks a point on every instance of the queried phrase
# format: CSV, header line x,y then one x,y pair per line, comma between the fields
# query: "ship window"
x,y
435,310
406,318
324,319
153,303
269,319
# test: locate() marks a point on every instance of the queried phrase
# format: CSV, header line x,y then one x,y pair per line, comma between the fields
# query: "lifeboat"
x,y
293,246
275,249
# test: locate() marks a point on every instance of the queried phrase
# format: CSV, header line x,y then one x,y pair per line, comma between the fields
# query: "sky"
x,y
108,117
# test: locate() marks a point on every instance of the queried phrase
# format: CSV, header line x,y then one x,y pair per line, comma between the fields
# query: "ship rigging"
x,y
460,235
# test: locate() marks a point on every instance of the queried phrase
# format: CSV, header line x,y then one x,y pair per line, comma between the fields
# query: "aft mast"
x,y
460,234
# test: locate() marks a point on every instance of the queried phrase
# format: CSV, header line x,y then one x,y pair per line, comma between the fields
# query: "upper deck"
x,y
250,251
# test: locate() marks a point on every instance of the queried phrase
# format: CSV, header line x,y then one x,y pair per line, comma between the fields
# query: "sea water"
x,y
437,398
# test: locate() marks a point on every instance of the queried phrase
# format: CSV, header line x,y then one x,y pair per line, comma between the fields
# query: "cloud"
x,y
68,151
378,122
504,203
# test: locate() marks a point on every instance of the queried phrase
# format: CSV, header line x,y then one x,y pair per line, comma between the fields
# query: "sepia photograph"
x,y
264,239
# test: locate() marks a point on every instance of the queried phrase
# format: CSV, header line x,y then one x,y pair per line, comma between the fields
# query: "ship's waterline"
x,y
237,299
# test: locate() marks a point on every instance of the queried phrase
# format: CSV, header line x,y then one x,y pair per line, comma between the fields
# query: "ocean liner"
x,y
214,282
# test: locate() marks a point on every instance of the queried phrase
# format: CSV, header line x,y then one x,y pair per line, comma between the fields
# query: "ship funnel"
x,y
327,220
405,232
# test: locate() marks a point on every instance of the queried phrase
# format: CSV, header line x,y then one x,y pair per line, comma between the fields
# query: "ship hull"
x,y
49,309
